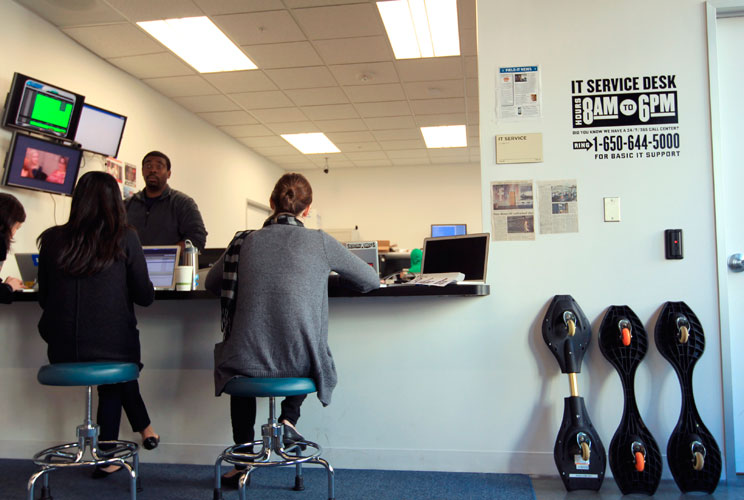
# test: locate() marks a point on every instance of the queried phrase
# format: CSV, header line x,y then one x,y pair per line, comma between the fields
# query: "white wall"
x,y
397,203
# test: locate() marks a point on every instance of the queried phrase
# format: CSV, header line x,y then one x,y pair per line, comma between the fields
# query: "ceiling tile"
x,y
391,122
153,65
199,104
310,97
216,7
279,115
293,4
434,68
365,155
343,21
418,154
293,127
272,141
233,82
409,144
471,87
286,149
330,112
392,108
441,119
435,89
283,55
471,66
356,147
181,86
262,100
373,93
373,163
407,162
333,159
228,118
354,50
114,40
147,10
302,78
246,130
402,134
473,118
260,27
365,74
350,137
73,13
468,42
438,106
341,125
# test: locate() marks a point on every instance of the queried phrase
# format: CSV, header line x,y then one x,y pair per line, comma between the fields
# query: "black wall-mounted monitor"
x,y
438,230
100,130
42,108
42,165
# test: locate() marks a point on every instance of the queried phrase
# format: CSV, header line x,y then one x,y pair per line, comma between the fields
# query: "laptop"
x,y
28,266
161,265
367,251
467,254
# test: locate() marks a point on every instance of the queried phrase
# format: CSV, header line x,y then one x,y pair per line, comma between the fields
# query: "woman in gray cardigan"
x,y
275,311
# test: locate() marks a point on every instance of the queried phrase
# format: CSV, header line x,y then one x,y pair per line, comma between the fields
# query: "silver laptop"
x,y
367,251
28,266
467,254
161,265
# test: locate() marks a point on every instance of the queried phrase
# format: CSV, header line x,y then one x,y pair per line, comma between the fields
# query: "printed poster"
x,y
512,211
518,94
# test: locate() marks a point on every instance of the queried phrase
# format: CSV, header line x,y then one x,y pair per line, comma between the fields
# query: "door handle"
x,y
736,262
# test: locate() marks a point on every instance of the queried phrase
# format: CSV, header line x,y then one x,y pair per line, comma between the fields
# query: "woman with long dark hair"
x,y
91,272
277,323
12,216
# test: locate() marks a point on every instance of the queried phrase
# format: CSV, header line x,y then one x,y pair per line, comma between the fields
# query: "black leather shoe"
x,y
151,443
100,473
232,481
291,436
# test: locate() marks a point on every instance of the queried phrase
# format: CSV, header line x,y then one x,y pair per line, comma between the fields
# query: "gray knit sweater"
x,y
280,325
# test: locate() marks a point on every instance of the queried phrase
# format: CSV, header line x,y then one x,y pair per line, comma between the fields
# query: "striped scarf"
x,y
228,297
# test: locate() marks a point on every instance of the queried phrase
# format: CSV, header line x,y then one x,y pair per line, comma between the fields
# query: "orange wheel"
x,y
699,461
626,336
585,451
684,334
640,462
571,327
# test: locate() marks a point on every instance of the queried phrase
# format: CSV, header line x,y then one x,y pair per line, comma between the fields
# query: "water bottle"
x,y
191,258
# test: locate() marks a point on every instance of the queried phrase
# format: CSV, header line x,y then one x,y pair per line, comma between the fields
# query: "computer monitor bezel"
x,y
102,111
464,228
441,239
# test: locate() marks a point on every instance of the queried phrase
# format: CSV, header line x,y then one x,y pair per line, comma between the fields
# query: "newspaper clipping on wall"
x,y
558,206
512,211
518,93
130,180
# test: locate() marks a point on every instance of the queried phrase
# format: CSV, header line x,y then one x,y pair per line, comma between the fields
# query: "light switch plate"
x,y
612,209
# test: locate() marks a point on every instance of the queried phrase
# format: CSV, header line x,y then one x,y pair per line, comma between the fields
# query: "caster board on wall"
x,y
692,453
635,458
579,454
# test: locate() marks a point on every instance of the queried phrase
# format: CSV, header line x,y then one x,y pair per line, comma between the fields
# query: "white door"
x,y
730,41
255,214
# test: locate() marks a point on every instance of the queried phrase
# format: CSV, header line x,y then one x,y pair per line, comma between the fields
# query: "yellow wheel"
x,y
684,335
698,461
571,327
585,450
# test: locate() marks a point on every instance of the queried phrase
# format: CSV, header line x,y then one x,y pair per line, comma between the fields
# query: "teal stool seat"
x,y
87,451
90,373
274,450
269,387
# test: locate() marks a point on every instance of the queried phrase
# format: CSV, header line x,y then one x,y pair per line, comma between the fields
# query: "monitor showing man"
x,y
161,214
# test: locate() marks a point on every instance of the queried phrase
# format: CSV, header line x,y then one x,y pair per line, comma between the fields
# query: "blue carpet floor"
x,y
185,482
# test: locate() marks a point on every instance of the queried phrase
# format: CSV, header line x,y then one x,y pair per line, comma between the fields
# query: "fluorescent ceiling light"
x,y
421,28
311,143
450,136
200,43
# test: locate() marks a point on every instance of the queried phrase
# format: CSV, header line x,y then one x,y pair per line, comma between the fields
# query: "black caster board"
x,y
579,454
635,458
692,453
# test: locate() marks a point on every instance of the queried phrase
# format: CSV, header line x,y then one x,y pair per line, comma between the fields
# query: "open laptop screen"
x,y
161,265
467,254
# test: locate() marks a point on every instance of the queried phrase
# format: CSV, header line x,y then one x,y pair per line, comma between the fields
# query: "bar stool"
x,y
272,452
87,375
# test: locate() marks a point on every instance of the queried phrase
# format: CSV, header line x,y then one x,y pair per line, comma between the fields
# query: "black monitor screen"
x,y
39,107
100,130
34,163
438,230
457,254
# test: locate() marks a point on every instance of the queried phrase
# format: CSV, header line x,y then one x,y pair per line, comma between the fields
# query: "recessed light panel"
x,y
200,43
421,28
450,136
311,143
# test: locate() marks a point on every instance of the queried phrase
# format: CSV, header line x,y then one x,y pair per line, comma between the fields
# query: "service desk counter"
x,y
385,344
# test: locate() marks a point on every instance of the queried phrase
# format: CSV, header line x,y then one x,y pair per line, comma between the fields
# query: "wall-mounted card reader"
x,y
673,243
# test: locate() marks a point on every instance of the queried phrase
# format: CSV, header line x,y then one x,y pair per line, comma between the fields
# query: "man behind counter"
x,y
162,215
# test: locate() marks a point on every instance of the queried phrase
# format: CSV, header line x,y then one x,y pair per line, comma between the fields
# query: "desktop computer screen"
x,y
438,230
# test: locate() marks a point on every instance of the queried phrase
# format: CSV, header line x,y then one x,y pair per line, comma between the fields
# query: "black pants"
x,y
243,415
111,399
